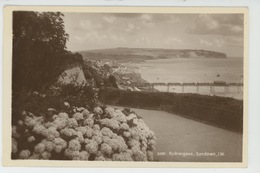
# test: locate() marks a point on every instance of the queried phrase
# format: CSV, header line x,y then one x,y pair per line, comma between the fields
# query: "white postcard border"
x,y
7,64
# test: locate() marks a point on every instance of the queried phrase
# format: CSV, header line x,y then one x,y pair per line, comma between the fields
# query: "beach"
x,y
193,70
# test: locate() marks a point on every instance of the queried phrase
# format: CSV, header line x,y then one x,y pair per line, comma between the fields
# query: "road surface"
x,y
184,140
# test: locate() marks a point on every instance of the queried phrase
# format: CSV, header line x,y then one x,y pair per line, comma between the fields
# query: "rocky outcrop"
x,y
73,74
202,54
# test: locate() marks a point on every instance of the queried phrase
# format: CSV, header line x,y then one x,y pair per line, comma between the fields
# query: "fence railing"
x,y
211,86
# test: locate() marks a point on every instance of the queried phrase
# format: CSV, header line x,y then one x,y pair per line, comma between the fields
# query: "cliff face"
x,y
141,54
201,54
106,66
73,74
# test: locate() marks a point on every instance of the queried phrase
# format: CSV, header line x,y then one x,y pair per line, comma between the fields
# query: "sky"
x,y
217,32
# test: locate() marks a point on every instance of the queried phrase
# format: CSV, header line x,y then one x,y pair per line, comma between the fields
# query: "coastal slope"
x,y
140,54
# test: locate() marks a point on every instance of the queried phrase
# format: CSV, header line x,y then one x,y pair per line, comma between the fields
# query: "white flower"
x,y
89,132
67,105
105,139
106,132
150,155
20,122
63,115
48,124
124,126
122,157
24,154
61,142
91,147
133,143
52,133
113,144
39,120
72,154
126,134
39,148
29,121
68,132
14,145
45,155
138,155
31,139
74,145
60,123
85,113
114,136
110,112
96,127
129,151
98,110
89,122
134,133
151,142
131,116
84,155
35,156
110,123
39,129
72,123
48,145
121,144
117,137
57,148
106,149
83,130
15,133
100,158
98,139
87,141
97,133
119,116
78,116
81,109
80,137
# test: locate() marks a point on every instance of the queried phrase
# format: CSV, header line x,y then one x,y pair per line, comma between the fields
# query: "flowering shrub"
x,y
103,134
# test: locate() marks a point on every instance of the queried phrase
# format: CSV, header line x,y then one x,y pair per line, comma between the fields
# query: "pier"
x,y
196,86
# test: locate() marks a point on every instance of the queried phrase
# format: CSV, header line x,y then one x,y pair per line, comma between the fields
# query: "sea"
x,y
193,70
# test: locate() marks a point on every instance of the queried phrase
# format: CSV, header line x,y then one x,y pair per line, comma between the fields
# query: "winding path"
x,y
178,136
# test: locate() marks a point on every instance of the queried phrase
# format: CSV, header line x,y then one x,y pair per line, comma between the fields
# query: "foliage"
x,y
55,96
77,90
39,49
78,133
219,111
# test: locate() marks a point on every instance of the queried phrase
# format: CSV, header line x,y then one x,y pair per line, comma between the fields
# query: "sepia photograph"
x,y
103,86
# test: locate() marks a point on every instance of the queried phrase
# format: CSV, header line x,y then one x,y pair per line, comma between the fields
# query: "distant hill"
x,y
141,54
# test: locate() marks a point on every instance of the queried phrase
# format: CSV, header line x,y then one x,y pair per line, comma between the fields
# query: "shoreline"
x,y
220,91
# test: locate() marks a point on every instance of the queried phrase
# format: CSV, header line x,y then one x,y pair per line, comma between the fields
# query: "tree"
x,y
39,49
112,80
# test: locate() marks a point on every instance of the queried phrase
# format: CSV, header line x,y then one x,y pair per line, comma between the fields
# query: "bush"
x,y
219,111
101,134
55,96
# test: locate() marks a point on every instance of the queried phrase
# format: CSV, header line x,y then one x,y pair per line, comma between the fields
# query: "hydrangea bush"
x,y
101,134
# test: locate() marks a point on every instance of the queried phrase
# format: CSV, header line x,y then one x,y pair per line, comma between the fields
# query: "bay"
x,y
189,70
